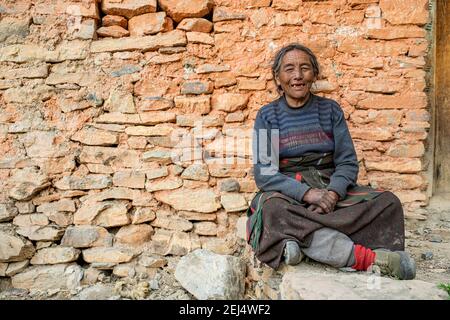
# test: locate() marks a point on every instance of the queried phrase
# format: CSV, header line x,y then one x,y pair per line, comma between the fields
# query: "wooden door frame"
x,y
440,12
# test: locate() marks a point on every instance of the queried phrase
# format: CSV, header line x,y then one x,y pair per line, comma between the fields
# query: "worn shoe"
x,y
292,253
397,264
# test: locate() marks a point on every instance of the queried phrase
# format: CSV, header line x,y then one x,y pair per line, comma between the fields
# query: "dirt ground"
x,y
428,241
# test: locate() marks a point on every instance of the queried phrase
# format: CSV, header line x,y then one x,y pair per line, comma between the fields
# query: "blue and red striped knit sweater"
x,y
318,126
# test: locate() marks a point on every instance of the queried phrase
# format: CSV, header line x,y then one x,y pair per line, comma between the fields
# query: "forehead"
x,y
296,57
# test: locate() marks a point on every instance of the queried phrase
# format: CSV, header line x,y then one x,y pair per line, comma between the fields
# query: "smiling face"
x,y
296,76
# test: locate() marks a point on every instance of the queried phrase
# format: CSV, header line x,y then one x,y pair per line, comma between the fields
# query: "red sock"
x,y
364,257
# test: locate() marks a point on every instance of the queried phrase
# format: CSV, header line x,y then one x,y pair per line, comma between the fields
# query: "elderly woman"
x,y
306,168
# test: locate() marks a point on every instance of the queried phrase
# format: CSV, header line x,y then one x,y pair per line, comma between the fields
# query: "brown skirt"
x,y
377,223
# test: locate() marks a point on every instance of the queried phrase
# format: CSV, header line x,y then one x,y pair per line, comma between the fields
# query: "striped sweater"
x,y
318,126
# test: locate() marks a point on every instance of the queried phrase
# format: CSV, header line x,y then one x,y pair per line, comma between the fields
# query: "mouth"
x,y
298,86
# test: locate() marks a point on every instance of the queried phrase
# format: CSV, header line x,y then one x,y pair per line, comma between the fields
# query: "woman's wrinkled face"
x,y
296,76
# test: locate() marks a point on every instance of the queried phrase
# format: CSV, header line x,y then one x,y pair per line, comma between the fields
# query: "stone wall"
x,y
125,125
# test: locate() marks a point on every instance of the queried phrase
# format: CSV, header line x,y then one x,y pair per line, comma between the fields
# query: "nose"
x,y
298,74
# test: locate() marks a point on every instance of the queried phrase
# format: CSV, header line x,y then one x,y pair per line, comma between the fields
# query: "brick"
x,y
189,120
374,62
195,105
113,32
260,18
373,11
199,200
161,59
205,228
146,43
196,87
405,12
129,179
82,79
406,150
325,14
224,81
379,85
85,9
286,5
179,10
157,130
199,37
237,116
117,157
226,14
381,118
134,234
196,25
128,8
229,102
400,165
95,137
394,181
149,23
400,32
30,72
403,101
288,18
251,84
110,20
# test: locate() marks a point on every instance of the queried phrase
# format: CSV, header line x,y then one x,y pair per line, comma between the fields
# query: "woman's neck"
x,y
297,103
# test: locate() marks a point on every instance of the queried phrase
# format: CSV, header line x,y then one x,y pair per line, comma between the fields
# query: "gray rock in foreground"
x,y
208,275
58,276
99,291
309,282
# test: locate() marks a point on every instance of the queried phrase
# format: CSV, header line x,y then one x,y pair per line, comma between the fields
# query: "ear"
x,y
277,80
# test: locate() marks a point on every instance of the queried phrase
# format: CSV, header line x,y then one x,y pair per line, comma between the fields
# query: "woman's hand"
x,y
322,201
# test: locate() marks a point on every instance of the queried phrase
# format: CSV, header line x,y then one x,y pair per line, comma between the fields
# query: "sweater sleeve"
x,y
345,160
265,147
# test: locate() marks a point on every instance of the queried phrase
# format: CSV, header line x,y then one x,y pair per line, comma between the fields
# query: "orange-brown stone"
x,y
180,9
195,24
113,32
149,23
110,20
405,12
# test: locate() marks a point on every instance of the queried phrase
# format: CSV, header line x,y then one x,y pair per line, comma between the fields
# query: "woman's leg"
x,y
331,247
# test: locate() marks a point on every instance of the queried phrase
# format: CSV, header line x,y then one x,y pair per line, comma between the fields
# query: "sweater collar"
x,y
285,106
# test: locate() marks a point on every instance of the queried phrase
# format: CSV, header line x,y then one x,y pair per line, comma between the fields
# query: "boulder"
x,y
41,233
209,276
309,282
128,8
14,248
107,255
179,10
86,236
90,181
7,212
149,23
233,202
55,255
26,183
58,276
134,234
200,200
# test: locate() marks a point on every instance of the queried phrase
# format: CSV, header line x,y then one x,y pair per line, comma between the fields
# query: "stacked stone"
x,y
120,152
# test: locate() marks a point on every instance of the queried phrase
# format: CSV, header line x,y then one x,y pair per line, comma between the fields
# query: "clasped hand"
x,y
321,201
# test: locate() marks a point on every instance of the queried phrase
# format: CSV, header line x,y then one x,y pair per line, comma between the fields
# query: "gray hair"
x,y
282,52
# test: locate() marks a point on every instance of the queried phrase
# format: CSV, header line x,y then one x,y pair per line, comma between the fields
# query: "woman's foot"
x,y
396,264
293,255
